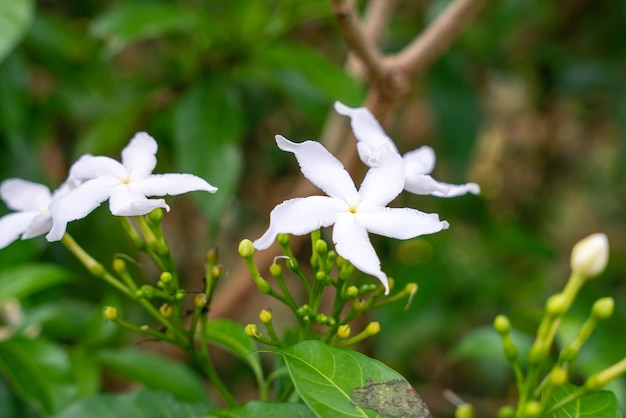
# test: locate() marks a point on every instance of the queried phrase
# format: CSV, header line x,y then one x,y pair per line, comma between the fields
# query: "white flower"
x,y
353,213
30,202
126,185
590,255
372,142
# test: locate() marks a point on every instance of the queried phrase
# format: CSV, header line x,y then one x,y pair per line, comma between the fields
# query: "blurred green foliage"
x,y
529,102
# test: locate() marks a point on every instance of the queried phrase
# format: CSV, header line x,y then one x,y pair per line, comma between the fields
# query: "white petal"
x,y
352,243
425,185
13,225
420,161
139,155
400,223
300,216
457,190
40,224
170,184
383,183
78,203
126,202
321,168
89,167
371,137
23,195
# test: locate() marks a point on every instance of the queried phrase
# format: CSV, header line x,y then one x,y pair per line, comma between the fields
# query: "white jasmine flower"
x,y
419,163
353,213
30,202
127,185
590,255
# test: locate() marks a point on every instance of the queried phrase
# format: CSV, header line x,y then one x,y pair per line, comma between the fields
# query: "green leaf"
x,y
156,372
256,409
24,280
208,124
338,382
39,371
130,22
15,17
230,336
602,404
140,404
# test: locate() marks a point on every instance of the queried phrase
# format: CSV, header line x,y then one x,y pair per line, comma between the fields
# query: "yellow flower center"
x,y
353,209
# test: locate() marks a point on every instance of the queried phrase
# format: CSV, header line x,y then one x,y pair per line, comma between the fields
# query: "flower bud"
x,y
250,330
557,305
321,247
246,248
603,308
509,349
411,288
180,294
343,331
119,265
212,255
558,376
532,409
265,316
351,292
166,277
590,255
322,319
464,411
276,270
320,275
216,272
502,325
373,328
156,215
263,286
200,300
166,310
110,313
507,411
283,239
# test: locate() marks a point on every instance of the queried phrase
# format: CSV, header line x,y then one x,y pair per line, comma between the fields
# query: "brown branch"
x,y
437,37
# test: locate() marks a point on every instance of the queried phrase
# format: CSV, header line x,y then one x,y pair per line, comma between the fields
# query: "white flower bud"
x,y
590,255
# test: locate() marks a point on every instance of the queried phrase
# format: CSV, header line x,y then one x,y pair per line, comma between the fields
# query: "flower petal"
x,y
321,168
139,155
427,185
125,201
300,216
23,195
89,167
420,161
13,225
170,184
39,225
383,183
371,137
400,223
353,244
78,203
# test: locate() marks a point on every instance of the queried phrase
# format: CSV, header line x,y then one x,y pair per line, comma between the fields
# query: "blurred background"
x,y
529,102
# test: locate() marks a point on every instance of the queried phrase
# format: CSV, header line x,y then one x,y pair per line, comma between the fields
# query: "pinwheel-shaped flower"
x,y
373,142
127,185
30,202
353,213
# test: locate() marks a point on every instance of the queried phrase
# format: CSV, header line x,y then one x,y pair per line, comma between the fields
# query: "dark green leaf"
x,y
326,377
230,336
39,371
156,372
602,404
24,280
141,404
15,17
256,409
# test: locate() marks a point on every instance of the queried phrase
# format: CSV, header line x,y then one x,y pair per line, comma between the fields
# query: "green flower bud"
x,y
590,255
156,215
603,308
558,376
509,349
464,411
351,292
322,319
110,313
200,300
265,316
343,331
216,272
320,275
246,248
119,265
372,328
180,294
557,305
321,247
276,270
506,411
283,239
502,325
166,277
250,330
532,409
166,310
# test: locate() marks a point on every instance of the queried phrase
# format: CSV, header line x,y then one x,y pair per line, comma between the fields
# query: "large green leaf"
x,y
156,372
141,404
208,124
24,280
230,336
338,382
39,371
602,404
256,409
15,17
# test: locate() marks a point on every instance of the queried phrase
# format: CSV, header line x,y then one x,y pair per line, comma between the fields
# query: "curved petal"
x,y
13,225
170,184
420,161
126,202
23,195
39,225
89,167
426,185
321,168
300,216
139,155
383,183
372,141
458,190
352,243
400,223
78,203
